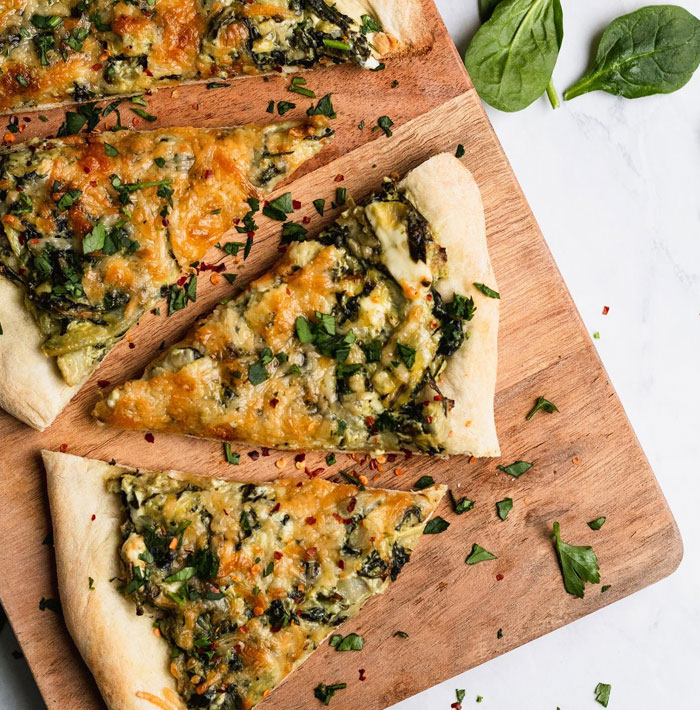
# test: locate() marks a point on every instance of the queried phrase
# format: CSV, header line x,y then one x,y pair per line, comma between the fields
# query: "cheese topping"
x,y
245,581
339,346
77,50
94,226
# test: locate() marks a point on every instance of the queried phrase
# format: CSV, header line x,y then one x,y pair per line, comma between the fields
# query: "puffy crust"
x,y
446,194
31,387
404,22
127,660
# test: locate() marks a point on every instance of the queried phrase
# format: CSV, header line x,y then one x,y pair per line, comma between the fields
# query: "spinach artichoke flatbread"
x,y
94,227
188,592
72,50
379,334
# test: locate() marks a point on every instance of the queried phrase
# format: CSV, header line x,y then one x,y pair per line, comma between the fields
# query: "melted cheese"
x,y
247,580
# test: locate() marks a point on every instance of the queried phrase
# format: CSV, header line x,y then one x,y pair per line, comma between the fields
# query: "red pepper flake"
x,y
86,169
341,564
499,577
296,204
606,310
456,706
132,346
306,220
408,454
437,398
369,420
310,552
181,280
339,178
274,402
429,419
278,70
217,268
300,484
102,383
254,455
299,458
390,458
429,297
149,437
93,183
237,220
148,72
208,174
92,517
165,222
63,448
250,235
362,674
276,508
278,555
265,450
352,504
244,629
97,67
311,520
312,473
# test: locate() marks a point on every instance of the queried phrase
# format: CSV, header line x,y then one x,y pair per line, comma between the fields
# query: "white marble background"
x,y
615,185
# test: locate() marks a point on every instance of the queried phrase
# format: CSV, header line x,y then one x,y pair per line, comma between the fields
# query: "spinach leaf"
x,y
436,526
516,469
352,642
602,693
579,564
504,507
512,56
486,8
654,50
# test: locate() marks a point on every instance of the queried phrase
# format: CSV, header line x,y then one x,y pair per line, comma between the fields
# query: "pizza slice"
x,y
53,53
188,592
379,334
95,226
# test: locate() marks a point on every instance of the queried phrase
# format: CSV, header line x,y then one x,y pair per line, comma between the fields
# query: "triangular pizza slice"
x,y
379,334
184,591
95,226
55,53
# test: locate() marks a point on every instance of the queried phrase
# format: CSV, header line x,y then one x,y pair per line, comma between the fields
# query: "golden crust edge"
x,y
446,194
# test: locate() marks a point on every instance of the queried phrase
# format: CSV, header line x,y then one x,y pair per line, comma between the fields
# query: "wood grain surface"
x,y
587,461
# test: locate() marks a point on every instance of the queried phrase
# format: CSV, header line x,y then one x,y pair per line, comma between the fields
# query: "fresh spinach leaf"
x,y
486,8
654,50
579,564
512,56
504,507
435,526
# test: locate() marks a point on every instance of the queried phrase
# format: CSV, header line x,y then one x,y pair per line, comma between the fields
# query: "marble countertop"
x,y
615,186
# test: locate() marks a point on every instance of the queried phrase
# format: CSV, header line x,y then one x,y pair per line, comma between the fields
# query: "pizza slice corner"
x,y
378,334
95,227
188,592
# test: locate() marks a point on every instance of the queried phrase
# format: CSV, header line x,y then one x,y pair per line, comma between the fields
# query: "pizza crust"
x,y
127,660
447,195
31,386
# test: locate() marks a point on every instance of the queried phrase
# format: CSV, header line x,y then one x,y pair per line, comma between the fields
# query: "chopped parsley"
x,y
178,297
91,583
602,693
384,123
231,456
369,25
325,692
543,404
424,482
322,334
94,240
284,106
460,695
68,199
435,526
354,480
111,151
605,588
352,642
479,554
579,565
401,634
279,208
504,507
297,87
257,372
319,206
144,114
323,108
340,195
462,505
487,291
51,604
217,85
459,153
330,459
86,115
293,232
597,524
516,469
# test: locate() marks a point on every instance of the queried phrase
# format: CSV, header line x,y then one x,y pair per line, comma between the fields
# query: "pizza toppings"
x,y
83,51
95,231
348,336
234,572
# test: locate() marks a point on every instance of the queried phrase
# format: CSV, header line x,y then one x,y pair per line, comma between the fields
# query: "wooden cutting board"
x,y
587,461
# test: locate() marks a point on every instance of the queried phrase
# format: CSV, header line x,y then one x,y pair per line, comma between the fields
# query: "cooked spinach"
x,y
512,56
654,50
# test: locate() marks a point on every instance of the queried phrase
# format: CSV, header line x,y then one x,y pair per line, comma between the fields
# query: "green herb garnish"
x,y
579,565
479,554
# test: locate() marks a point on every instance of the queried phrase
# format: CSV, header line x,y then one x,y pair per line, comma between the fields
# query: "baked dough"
x,y
304,532
185,188
369,278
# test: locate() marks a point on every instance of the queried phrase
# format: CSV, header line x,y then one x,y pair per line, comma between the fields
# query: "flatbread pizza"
x,y
95,227
72,50
188,592
379,334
